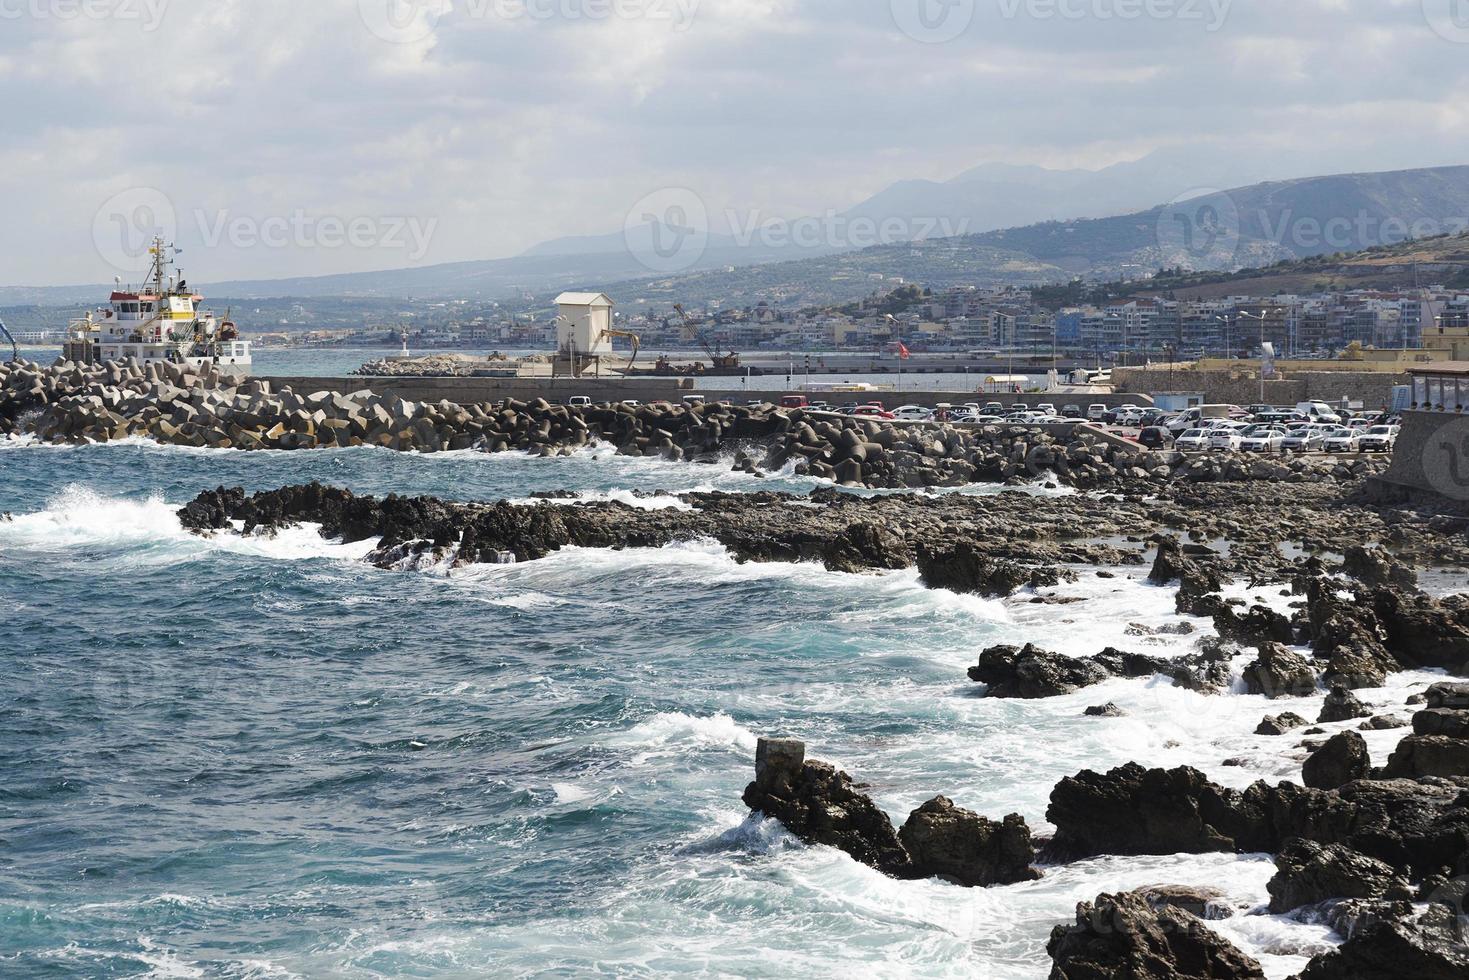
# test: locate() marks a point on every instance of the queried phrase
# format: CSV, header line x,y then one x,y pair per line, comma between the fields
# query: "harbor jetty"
x,y
174,404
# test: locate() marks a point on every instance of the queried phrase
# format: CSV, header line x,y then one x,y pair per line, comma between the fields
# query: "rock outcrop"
x,y
1343,759
1123,936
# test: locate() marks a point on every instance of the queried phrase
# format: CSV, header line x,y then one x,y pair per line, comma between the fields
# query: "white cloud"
x,y
509,130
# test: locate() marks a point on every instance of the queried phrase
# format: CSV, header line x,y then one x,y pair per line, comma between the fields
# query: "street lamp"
x,y
1262,316
1224,319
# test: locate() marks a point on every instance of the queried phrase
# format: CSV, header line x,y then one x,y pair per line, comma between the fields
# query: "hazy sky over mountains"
x,y
280,137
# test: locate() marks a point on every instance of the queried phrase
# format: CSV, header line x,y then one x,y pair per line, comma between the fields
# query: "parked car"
x,y
1156,437
1114,416
1343,440
871,412
1262,439
1048,408
1258,410
1073,412
1226,437
913,413
993,408
579,401
1378,439
1095,412
1306,439
1192,441
1319,412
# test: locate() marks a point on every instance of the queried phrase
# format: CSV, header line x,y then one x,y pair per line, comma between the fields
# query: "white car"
x,y
1262,439
1095,412
1343,441
1192,441
1378,439
1226,437
913,413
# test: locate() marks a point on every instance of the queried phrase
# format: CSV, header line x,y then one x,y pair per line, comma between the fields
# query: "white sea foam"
x,y
79,517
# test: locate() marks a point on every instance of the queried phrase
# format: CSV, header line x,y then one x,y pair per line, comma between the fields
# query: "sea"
x,y
261,757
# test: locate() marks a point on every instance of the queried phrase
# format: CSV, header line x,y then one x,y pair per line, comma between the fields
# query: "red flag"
x,y
904,352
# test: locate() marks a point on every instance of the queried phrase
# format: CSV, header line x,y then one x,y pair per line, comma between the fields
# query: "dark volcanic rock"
x,y
1343,759
1030,673
1342,705
1448,722
1429,755
1386,950
1281,723
1205,903
820,805
1121,937
965,567
1258,626
1308,873
1132,810
945,841
1108,710
1279,673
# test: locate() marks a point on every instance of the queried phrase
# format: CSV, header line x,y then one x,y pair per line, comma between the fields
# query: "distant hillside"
x,y
1248,227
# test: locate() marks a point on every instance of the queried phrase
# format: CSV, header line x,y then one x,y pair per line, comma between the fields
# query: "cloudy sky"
x,y
287,137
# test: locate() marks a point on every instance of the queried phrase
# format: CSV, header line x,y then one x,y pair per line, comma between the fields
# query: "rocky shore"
x,y
1378,849
78,404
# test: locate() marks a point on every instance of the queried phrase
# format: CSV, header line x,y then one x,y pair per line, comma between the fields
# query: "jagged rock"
x,y
1374,567
1451,695
1308,873
1341,760
1108,710
1121,936
1132,810
1279,673
1031,673
1388,950
1341,705
963,567
1203,903
1448,722
820,805
1429,755
1259,626
1281,723
945,841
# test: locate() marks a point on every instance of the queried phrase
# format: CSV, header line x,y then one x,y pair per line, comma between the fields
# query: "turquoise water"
x,y
264,758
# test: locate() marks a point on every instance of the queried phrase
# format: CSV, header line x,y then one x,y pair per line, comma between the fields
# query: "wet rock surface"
x,y
1308,873
1125,936
821,805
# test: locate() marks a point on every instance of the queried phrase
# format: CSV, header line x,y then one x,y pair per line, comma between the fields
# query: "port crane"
x,y
721,362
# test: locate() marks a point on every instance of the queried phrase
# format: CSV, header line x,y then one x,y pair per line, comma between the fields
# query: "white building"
x,y
583,322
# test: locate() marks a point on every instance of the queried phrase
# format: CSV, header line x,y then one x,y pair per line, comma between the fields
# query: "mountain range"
x,y
1019,224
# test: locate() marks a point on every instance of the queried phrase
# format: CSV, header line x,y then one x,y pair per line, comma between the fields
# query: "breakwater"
x,y
71,403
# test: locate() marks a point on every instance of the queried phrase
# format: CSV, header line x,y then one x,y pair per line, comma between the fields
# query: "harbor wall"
x,y
472,390
1374,389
